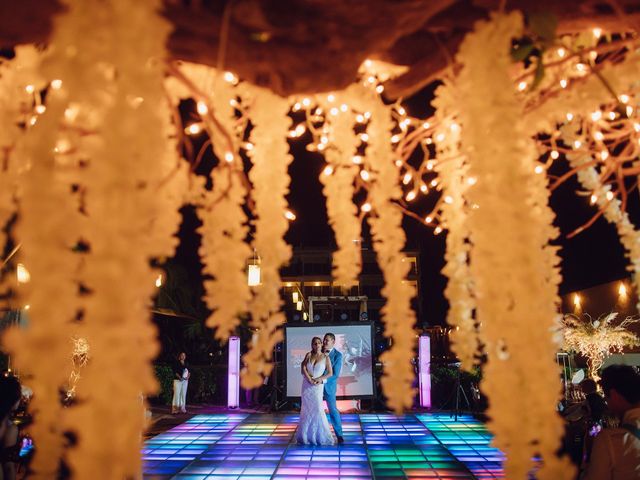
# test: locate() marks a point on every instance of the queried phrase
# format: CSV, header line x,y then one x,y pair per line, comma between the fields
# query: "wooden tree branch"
x,y
308,46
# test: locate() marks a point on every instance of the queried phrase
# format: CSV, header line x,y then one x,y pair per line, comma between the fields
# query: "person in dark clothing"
x,y
595,402
180,384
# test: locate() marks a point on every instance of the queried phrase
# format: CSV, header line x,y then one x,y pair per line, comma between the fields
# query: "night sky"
x,y
594,256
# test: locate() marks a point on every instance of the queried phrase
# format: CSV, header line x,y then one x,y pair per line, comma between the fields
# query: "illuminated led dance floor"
x,y
377,446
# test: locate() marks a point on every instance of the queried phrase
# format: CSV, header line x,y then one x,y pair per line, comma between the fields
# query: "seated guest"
x,y
616,451
10,395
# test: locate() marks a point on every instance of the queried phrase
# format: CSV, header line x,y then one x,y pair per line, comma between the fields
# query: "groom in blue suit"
x,y
331,383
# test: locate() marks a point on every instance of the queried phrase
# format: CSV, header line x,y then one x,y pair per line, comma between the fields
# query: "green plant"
x,y
164,374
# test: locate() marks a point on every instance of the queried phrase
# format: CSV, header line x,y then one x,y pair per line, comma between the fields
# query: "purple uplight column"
x,y
424,370
233,392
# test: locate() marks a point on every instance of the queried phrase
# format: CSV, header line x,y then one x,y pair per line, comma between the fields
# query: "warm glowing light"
x,y
599,136
334,111
561,52
609,195
622,290
344,107
563,83
40,109
30,89
407,178
22,273
395,138
71,113
253,275
328,170
569,116
581,67
159,280
539,169
229,157
448,199
597,32
428,219
597,115
624,98
454,127
331,97
366,207
202,108
289,215
56,84
299,305
364,137
576,300
294,297
230,77
612,115
365,175
437,230
472,180
357,160
522,86
27,307
424,188
593,199
440,137
604,154
379,89
193,129
360,118
426,125
554,154
577,144
410,196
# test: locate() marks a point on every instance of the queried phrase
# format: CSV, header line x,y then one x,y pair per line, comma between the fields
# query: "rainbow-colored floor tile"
x,y
377,446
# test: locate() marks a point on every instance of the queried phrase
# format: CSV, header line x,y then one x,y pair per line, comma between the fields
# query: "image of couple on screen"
x,y
320,369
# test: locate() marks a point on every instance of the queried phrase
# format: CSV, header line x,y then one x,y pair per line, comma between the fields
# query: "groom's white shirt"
x,y
327,354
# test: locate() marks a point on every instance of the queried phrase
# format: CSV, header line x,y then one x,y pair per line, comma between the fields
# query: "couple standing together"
x,y
320,369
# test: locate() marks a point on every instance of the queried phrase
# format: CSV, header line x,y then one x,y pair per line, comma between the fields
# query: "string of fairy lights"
x,y
611,133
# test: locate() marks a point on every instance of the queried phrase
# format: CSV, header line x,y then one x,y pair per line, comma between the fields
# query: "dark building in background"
x,y
308,276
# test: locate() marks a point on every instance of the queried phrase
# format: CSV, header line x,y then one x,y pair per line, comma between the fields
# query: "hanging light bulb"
x,y
253,272
22,274
159,280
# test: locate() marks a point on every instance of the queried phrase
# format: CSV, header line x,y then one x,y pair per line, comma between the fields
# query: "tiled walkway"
x,y
381,446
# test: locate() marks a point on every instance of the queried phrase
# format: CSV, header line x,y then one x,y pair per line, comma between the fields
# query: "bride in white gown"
x,y
314,427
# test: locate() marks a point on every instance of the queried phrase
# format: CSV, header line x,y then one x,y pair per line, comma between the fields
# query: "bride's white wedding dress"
x,y
314,427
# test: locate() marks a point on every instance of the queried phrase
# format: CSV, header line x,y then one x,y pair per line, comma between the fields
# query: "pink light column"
x,y
424,370
233,377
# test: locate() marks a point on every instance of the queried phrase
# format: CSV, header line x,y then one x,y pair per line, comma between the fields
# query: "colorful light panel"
x,y
377,446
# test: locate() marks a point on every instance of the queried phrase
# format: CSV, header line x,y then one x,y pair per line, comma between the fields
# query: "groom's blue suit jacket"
x,y
331,385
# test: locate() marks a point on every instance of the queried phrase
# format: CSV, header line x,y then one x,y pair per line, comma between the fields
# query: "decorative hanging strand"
x,y
452,172
388,241
514,269
133,185
338,179
270,180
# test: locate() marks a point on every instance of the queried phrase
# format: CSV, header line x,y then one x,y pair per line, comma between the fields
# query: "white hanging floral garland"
x,y
515,270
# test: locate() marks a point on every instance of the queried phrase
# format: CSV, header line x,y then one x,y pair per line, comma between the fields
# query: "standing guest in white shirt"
x,y
616,451
180,384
